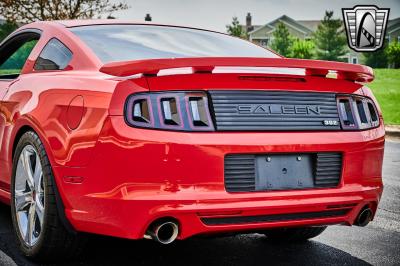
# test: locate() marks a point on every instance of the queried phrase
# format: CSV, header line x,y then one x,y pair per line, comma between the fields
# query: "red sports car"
x,y
152,131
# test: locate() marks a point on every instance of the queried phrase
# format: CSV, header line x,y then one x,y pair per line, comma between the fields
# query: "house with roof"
x,y
263,34
393,30
304,29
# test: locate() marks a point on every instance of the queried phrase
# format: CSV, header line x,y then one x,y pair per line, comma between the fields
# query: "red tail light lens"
x,y
357,112
181,111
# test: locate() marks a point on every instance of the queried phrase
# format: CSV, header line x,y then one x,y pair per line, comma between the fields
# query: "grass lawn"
x,y
386,88
9,71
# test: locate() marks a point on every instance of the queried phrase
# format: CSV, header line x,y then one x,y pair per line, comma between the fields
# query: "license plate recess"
x,y
284,171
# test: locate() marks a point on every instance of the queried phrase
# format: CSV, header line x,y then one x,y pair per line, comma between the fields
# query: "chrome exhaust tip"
x,y
364,217
163,232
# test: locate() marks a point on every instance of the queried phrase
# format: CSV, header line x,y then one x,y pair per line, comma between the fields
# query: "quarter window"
x,y
54,56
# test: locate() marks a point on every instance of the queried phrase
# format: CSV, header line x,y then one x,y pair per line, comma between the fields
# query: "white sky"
x,y
214,14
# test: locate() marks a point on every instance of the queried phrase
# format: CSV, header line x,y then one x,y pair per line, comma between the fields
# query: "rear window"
x,y
134,42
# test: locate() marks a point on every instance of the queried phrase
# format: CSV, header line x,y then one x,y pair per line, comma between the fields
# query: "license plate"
x,y
284,171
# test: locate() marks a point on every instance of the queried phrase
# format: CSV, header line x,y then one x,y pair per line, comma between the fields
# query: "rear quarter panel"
x,y
44,102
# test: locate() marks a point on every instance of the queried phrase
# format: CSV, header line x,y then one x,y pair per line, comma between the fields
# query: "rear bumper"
x,y
137,176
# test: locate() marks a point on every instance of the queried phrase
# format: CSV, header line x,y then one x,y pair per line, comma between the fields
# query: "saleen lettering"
x,y
279,109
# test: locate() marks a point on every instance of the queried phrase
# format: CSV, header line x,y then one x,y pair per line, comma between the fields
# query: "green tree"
x,y
25,11
393,54
282,40
6,29
302,49
329,38
235,29
377,59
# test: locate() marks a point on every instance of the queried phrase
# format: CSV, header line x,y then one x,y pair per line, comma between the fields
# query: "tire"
x,y
295,234
45,238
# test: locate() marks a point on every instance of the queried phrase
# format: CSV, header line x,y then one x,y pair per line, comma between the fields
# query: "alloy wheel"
x,y
29,195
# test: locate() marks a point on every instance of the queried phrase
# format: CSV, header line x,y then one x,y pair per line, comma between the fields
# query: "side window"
x,y
12,65
54,56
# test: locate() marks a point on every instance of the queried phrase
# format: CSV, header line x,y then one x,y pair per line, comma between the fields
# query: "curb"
x,y
5,260
392,131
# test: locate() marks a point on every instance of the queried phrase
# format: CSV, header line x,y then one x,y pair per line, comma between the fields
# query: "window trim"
x,y
16,34
44,47
16,37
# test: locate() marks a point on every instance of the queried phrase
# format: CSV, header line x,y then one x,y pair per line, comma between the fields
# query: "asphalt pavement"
x,y
376,244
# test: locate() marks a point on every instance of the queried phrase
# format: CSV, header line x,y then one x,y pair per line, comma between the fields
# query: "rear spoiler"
x,y
346,71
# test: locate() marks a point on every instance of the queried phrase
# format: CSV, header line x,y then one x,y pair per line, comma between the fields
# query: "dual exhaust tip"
x,y
364,217
163,232
166,232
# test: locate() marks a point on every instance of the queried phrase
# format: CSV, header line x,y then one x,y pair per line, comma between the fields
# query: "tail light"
x,y
357,112
180,111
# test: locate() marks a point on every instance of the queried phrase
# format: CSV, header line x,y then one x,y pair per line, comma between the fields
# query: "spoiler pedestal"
x,y
352,72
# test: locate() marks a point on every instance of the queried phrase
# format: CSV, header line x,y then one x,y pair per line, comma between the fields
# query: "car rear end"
x,y
233,153
214,145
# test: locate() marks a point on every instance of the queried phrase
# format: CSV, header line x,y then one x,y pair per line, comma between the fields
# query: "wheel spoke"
x,y
22,200
40,214
26,160
37,175
31,225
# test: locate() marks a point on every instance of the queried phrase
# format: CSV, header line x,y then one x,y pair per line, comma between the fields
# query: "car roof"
x,y
89,22
93,22
61,26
